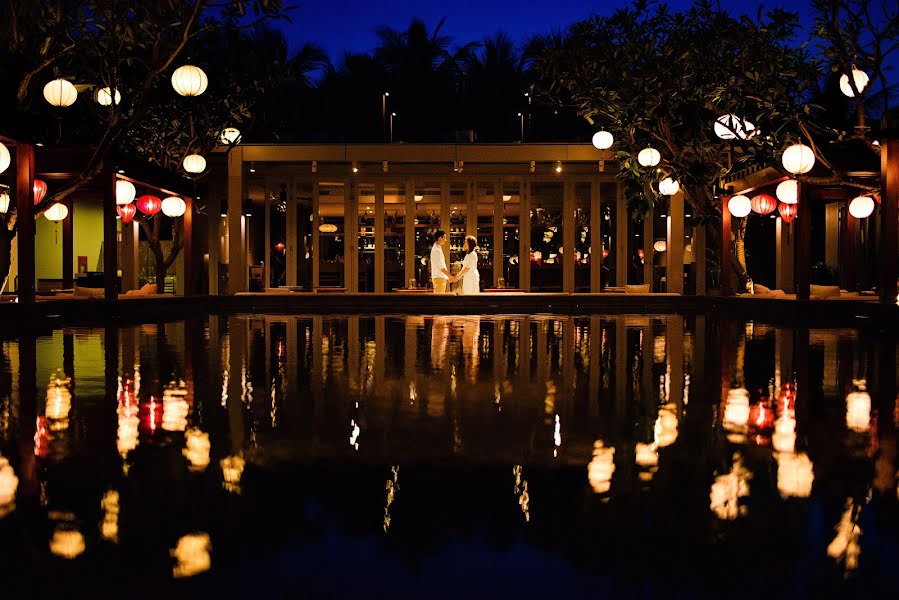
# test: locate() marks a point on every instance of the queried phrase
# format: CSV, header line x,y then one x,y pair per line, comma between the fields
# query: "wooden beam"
x,y
110,237
25,221
803,242
889,219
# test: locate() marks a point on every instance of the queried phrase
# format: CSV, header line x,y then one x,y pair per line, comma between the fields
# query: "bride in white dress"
x,y
471,279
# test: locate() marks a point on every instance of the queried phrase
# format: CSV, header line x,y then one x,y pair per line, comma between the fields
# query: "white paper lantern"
x,y
660,246
173,206
230,135
4,202
787,191
60,92
739,206
798,159
861,82
668,187
189,80
730,127
124,192
328,228
861,207
649,157
105,96
194,163
57,212
4,158
603,140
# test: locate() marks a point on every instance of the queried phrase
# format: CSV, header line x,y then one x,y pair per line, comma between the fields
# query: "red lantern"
x,y
149,205
279,247
126,212
40,190
763,204
788,212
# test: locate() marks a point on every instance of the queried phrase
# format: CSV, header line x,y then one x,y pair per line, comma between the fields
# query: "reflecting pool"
x,y
448,456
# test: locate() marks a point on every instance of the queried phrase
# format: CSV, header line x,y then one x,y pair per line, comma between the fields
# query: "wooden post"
x,y
214,226
524,237
596,258
848,229
379,237
568,224
68,248
188,248
674,271
699,258
351,237
622,256
267,235
785,256
237,255
409,231
499,210
649,251
110,237
294,233
129,255
316,223
803,242
725,247
889,219
25,221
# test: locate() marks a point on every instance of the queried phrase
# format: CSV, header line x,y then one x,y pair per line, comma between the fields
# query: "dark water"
x,y
285,456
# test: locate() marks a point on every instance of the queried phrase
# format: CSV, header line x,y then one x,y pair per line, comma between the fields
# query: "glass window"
x,y
546,237
485,233
608,193
636,252
511,235
331,202
366,247
427,222
582,247
304,235
277,250
394,236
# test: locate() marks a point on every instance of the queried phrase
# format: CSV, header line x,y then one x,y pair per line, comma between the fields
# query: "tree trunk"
x,y
738,254
6,239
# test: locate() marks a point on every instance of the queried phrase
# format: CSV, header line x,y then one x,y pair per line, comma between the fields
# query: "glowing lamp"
x,y
788,212
327,228
189,80
173,206
861,207
40,190
194,163
763,204
4,202
4,158
124,192
660,246
668,187
739,206
57,212
60,93
736,409
603,140
731,127
858,411
798,159
279,247
649,157
230,135
861,82
126,212
106,96
149,205
787,191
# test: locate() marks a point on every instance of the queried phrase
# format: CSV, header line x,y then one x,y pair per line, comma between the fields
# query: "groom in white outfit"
x,y
439,273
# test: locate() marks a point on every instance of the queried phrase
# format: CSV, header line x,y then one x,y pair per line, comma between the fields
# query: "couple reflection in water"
x,y
442,327
440,274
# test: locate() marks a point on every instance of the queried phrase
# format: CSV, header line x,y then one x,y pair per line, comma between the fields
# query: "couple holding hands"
x,y
440,275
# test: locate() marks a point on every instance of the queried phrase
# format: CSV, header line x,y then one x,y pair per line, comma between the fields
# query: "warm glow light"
x,y
5,157
669,187
558,167
603,140
126,212
124,192
196,449
327,228
727,489
60,92
105,97
601,468
858,411
57,212
40,190
230,135
660,246
861,82
730,127
788,191
419,197
798,159
192,555
4,202
149,204
736,410
174,406
788,212
763,204
232,470
795,475
189,80
861,207
649,157
67,542
9,483
506,197
194,163
173,206
739,206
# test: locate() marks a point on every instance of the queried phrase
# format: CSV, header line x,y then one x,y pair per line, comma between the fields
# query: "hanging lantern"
x,y
763,204
124,192
668,187
603,140
40,190
788,212
106,96
194,163
126,212
60,92
798,159
861,82
4,158
327,228
4,202
731,127
739,206
861,207
230,135
649,157
57,212
189,80
279,247
788,191
149,205
660,246
173,206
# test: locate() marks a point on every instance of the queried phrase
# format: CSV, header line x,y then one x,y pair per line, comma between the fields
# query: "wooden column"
x,y
848,229
445,221
110,236
620,238
471,208
409,232
129,255
498,231
649,251
524,237
214,226
293,232
596,258
351,237
68,248
889,220
675,356
568,224
237,254
316,223
237,354
803,242
188,249
25,221
699,261
675,244
379,237
725,247
267,235
785,256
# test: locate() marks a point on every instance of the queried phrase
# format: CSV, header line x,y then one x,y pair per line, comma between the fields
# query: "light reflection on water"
x,y
206,446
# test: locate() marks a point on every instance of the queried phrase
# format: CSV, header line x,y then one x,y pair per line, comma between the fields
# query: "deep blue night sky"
x,y
340,25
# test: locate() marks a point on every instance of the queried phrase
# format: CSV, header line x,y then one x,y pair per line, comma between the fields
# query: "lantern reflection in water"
x,y
666,425
232,470
67,542
736,414
858,409
174,406
196,449
521,492
392,487
795,475
109,528
845,547
727,490
127,434
192,555
601,468
9,483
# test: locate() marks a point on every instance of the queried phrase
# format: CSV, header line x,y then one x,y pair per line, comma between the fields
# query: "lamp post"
x,y
384,111
393,114
521,119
